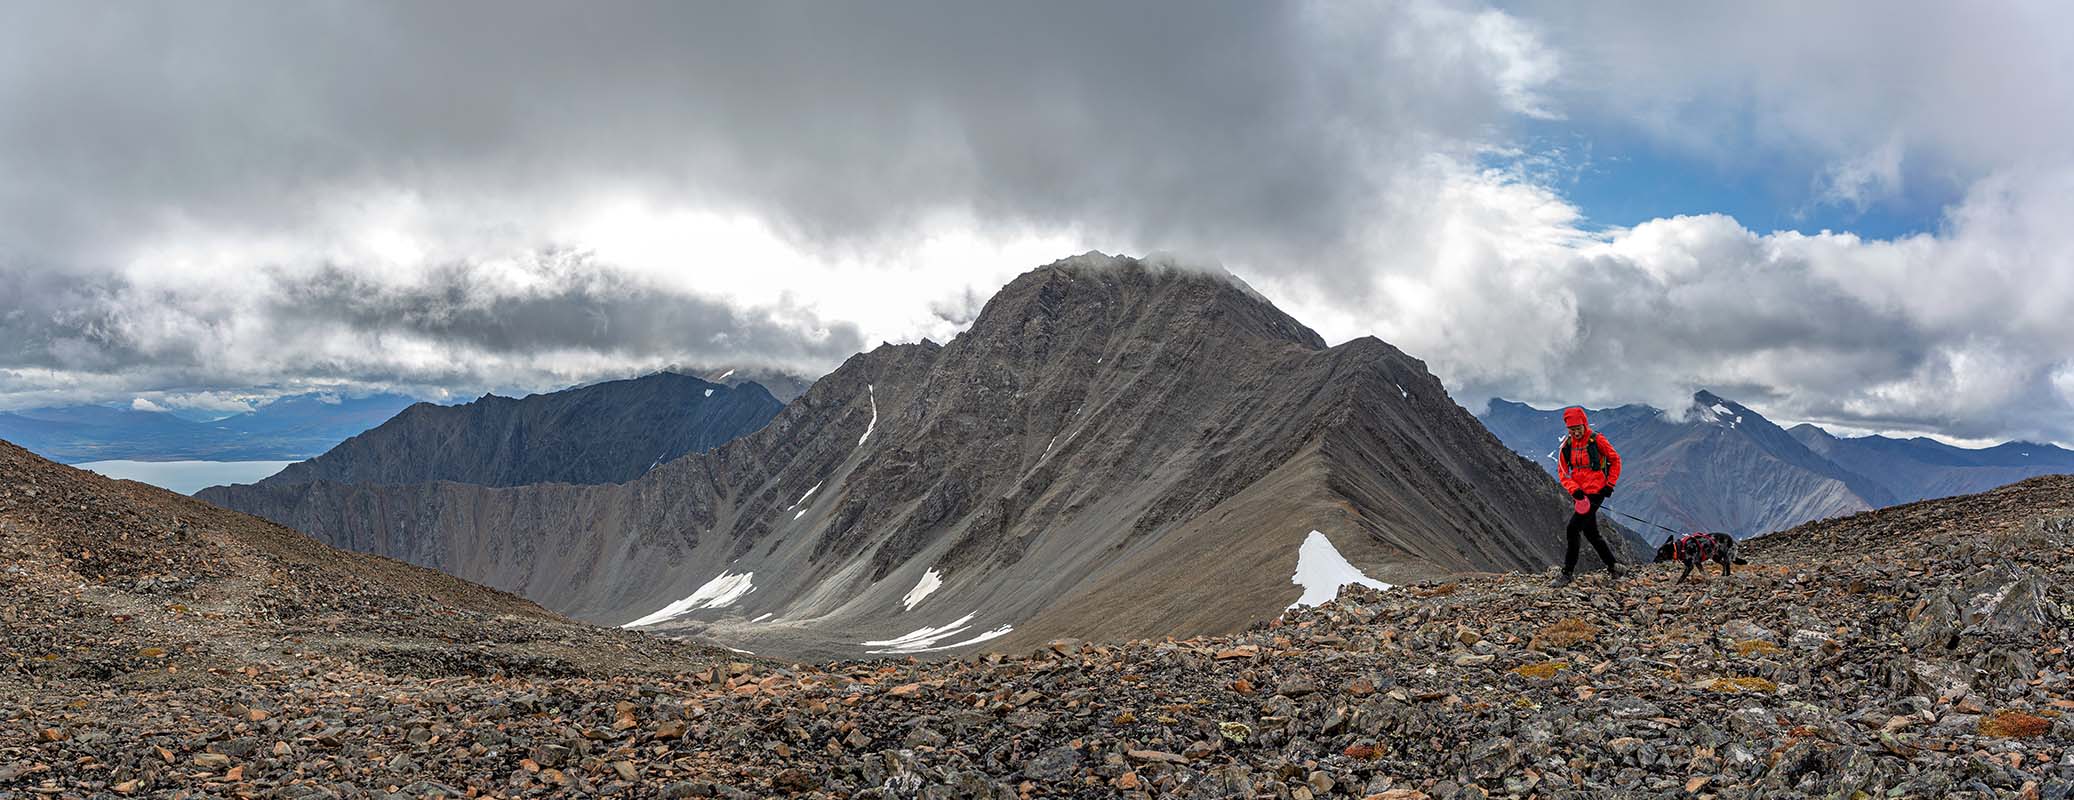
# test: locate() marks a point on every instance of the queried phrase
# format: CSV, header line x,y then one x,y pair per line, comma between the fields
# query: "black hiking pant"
x,y
1586,525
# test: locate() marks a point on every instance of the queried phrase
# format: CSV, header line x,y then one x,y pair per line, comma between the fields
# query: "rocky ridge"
x,y
608,432
133,620
784,384
1917,651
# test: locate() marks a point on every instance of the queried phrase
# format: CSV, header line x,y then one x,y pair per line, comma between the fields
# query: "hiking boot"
x,y
1560,581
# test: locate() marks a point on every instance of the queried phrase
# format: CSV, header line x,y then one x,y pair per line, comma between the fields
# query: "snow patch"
x,y
874,394
1321,570
1400,390
723,376
930,582
709,392
766,615
720,592
921,639
739,650
801,502
924,640
992,634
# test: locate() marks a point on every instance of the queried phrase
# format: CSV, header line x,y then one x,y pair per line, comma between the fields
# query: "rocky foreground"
x,y
1918,651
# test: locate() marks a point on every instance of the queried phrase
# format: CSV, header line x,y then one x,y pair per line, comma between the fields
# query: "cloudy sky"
x,y
1850,215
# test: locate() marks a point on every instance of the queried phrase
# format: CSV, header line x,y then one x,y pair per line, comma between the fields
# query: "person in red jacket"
x,y
1588,467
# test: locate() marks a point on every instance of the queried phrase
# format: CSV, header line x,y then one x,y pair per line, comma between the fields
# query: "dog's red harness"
x,y
1701,542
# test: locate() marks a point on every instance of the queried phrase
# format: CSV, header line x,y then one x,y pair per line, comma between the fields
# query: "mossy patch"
x,y
1756,647
1542,671
1568,632
2008,724
1742,685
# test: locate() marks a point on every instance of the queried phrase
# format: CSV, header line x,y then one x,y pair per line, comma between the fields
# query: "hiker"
x,y
1588,468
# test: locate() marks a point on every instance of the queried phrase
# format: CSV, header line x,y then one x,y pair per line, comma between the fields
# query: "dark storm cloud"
x,y
604,312
465,331
138,136
837,121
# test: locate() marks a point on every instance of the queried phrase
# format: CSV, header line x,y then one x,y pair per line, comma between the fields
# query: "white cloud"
x,y
1861,95
142,404
1860,180
1965,333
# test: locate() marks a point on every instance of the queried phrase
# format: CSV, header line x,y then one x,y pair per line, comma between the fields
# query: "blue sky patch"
x,y
1617,179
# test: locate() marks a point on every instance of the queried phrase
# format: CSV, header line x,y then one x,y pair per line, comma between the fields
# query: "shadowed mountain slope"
x,y
609,432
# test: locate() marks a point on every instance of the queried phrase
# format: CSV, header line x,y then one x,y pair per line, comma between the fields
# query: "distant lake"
x,y
186,477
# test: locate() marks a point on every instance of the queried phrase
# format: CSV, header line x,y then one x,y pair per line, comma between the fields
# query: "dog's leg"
x,y
1724,565
1687,573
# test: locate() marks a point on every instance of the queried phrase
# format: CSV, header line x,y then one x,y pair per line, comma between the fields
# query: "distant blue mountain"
x,y
1927,469
1722,466
287,429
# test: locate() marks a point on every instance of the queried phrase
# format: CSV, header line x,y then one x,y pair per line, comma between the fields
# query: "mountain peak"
x,y
1809,432
1183,296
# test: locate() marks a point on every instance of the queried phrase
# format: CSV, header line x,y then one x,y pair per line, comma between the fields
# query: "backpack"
x,y
1594,458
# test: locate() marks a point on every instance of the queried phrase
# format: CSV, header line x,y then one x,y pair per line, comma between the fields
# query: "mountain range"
x,y
293,427
1921,468
607,432
1114,448
1720,466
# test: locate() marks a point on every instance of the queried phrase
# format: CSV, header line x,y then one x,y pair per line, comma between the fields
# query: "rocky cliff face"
x,y
1114,448
609,432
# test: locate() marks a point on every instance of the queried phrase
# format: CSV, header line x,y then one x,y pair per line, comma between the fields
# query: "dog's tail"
x,y
1740,562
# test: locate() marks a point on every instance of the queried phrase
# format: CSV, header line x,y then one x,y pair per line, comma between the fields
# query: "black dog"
x,y
1696,549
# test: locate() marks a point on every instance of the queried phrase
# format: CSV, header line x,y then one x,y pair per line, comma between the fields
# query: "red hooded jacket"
x,y
1574,465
